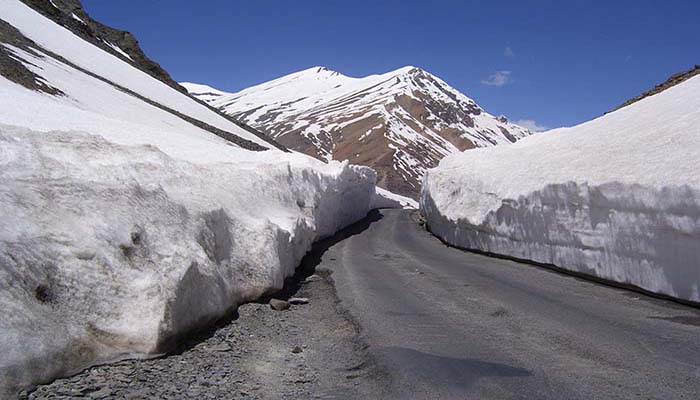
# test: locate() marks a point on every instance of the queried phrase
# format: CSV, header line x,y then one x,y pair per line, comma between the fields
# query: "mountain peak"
x,y
408,70
322,71
319,70
400,122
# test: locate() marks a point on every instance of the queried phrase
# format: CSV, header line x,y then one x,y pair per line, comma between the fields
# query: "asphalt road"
x,y
449,324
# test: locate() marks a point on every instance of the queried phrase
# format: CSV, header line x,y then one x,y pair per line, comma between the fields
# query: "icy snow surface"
x,y
617,197
123,225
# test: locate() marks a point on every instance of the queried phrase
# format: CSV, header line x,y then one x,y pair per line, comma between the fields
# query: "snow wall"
x,y
616,198
632,235
109,251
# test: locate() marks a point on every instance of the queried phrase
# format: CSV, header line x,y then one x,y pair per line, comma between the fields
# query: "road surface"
x,y
446,323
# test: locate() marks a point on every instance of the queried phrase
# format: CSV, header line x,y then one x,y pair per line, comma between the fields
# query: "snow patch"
x,y
386,199
197,89
77,18
117,49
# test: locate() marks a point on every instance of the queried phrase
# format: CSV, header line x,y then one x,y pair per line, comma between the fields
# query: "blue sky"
x,y
553,62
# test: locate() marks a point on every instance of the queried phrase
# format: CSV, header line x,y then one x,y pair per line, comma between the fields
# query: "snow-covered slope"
x,y
400,123
617,197
90,77
203,92
132,213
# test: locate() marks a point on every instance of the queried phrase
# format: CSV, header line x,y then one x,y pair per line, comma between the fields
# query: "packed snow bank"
x,y
386,199
617,197
111,250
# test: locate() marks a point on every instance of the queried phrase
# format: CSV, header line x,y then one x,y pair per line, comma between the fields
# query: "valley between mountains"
x,y
328,236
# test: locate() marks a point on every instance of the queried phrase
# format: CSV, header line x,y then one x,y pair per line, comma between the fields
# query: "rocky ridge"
x,y
672,81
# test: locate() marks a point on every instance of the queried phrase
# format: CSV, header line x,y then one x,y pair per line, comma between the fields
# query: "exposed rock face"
x,y
71,15
672,81
399,123
12,67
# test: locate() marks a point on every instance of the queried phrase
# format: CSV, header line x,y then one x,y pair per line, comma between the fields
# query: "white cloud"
x,y
498,78
531,124
508,52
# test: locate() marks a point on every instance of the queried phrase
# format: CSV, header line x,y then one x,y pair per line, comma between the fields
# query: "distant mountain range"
x,y
400,123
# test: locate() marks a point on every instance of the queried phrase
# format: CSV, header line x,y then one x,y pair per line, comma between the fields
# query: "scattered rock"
x,y
219,348
137,394
88,389
500,312
312,278
100,394
279,305
298,300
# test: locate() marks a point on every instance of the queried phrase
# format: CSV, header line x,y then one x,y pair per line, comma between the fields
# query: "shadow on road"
x,y
680,319
313,257
447,371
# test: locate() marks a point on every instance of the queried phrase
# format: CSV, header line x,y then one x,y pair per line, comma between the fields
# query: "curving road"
x,y
445,323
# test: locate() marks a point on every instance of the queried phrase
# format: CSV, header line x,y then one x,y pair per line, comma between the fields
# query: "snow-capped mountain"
x,y
400,123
